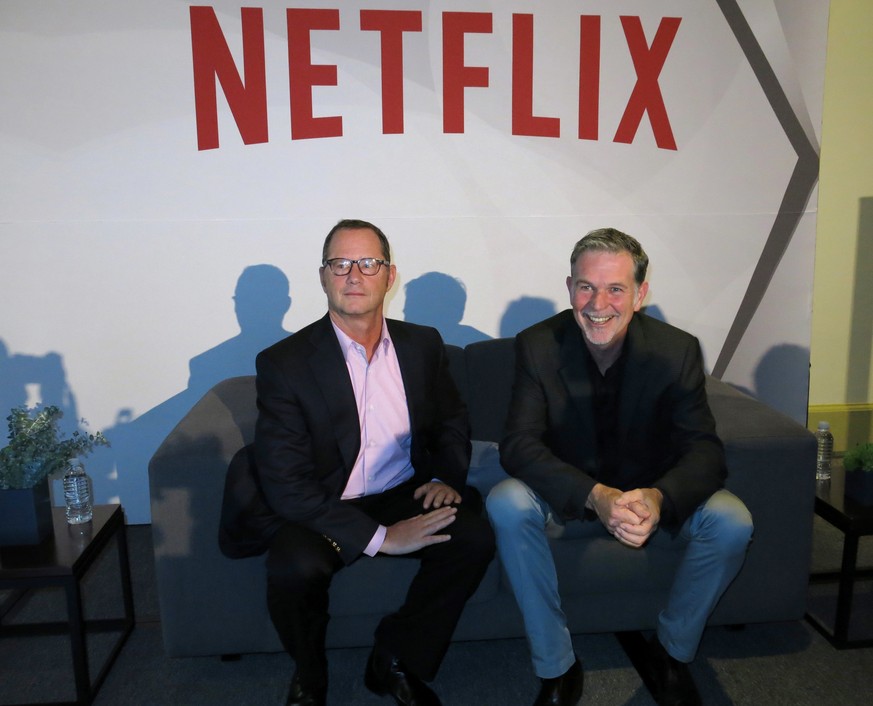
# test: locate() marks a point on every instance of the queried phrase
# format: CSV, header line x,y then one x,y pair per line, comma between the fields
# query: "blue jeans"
x,y
717,535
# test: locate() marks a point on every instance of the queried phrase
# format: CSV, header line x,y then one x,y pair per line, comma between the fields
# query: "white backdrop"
x,y
122,243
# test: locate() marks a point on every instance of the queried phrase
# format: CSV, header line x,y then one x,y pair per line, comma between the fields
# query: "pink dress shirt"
x,y
384,458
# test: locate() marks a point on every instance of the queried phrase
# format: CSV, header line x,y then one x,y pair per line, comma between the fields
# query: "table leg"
x,y
847,586
77,642
126,586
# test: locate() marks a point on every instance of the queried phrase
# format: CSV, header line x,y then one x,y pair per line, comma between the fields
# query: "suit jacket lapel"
x,y
574,373
331,375
635,376
409,360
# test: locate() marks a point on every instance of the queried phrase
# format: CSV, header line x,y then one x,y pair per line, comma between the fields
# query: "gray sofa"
x,y
214,605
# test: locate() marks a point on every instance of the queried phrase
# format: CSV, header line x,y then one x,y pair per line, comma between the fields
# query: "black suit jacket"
x,y
307,438
666,430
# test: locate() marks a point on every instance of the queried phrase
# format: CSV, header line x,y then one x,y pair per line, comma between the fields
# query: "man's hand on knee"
x,y
417,532
436,495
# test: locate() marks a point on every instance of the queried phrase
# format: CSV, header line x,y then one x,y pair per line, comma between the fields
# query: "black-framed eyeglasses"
x,y
369,266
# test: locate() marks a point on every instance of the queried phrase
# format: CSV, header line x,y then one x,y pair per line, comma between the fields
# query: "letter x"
x,y
646,96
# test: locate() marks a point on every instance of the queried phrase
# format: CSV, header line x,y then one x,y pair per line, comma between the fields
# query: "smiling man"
x,y
362,448
609,423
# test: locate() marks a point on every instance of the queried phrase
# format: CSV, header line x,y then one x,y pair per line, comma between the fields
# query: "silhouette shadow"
x,y
437,299
46,373
27,380
655,312
524,312
782,380
120,473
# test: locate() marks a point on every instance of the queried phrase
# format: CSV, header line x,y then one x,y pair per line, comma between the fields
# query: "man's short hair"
x,y
356,224
614,241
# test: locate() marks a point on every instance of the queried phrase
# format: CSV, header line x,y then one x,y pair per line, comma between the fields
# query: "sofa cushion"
x,y
588,560
485,469
490,373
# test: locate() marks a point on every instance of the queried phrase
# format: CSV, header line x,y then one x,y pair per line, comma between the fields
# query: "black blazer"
x,y
667,432
307,436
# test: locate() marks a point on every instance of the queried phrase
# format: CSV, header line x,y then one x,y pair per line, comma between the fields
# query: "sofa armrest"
x,y
771,467
186,476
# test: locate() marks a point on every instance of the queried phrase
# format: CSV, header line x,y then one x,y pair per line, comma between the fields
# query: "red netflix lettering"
x,y
646,96
392,24
589,77
457,76
247,97
524,122
303,74
213,61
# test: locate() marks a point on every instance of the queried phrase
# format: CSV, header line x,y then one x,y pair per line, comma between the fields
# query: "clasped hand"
x,y
631,516
417,532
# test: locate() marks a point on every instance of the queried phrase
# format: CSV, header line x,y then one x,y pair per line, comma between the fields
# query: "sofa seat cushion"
x,y
589,560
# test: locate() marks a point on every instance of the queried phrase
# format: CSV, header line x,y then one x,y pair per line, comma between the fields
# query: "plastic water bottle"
x,y
825,451
77,494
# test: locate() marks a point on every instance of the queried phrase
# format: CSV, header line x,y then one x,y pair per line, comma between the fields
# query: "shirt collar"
x,y
347,344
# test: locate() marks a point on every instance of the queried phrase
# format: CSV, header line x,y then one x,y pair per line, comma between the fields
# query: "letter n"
x,y
213,61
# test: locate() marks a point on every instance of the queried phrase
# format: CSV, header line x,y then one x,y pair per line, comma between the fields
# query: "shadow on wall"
x,y
437,299
27,379
655,312
261,300
782,380
524,312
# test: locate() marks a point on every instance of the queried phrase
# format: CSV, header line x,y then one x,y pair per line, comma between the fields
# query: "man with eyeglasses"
x,y
362,448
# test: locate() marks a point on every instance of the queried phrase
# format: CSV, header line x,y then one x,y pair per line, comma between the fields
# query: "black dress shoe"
x,y
387,676
671,679
565,690
299,695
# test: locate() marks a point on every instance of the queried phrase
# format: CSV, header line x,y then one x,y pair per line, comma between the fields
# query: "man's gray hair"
x,y
614,241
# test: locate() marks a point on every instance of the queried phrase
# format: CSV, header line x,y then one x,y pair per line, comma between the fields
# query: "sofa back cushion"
x,y
490,372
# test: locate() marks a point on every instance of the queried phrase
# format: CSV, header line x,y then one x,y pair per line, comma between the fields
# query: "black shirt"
x,y
606,392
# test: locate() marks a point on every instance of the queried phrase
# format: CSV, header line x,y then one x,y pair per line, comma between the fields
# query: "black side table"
x,y
62,560
854,521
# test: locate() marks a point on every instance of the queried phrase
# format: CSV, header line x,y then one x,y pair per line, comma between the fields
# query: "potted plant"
x,y
858,463
36,449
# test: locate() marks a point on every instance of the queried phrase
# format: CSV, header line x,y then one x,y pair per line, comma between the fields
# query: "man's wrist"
x,y
591,500
372,549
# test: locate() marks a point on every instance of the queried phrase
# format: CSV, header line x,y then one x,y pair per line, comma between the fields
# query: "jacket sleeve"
x,y
527,449
699,466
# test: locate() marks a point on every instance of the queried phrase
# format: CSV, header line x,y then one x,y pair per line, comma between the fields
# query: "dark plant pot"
x,y
859,486
25,515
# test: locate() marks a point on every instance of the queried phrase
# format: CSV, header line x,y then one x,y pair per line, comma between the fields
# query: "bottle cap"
x,y
824,426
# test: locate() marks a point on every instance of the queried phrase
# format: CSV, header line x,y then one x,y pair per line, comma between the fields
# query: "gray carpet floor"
x,y
767,664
